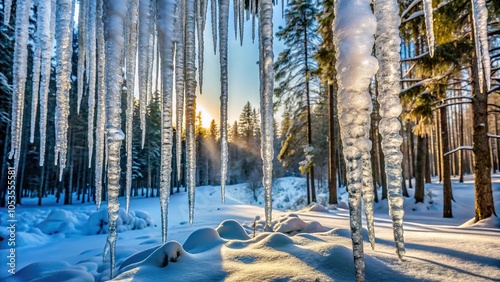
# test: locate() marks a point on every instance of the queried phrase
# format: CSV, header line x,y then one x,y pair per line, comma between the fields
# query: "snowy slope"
x,y
215,249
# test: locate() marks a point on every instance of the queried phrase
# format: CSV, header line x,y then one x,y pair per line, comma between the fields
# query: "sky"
x,y
243,70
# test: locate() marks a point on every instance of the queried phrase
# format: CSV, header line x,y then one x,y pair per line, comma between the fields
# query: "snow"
x,y
222,246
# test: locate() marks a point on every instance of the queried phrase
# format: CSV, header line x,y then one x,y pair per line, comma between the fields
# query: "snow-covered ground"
x,y
227,242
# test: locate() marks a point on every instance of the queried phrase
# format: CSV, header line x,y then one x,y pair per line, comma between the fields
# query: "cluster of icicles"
x,y
115,34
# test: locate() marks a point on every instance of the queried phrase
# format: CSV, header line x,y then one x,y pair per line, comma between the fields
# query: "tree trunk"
x,y
420,170
332,161
447,192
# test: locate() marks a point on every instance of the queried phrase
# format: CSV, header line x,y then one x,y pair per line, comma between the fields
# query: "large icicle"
x,y
387,47
179,80
223,29
114,14
241,19
46,66
166,17
144,22
91,73
41,41
266,100
101,103
236,17
7,6
200,27
354,27
213,10
20,72
131,49
429,25
64,38
480,18
190,110
82,33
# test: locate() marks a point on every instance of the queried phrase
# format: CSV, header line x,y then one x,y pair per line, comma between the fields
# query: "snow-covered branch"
x,y
458,149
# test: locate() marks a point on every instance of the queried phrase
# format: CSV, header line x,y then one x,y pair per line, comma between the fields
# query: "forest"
x,y
444,107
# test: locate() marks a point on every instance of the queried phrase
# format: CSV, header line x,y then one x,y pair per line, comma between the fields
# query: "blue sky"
x,y
243,71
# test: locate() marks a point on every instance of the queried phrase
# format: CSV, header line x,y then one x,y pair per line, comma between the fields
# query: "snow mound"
x,y
59,221
490,222
98,221
205,256
50,271
314,207
231,229
290,224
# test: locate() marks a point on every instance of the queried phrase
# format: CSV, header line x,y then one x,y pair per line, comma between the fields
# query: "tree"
x,y
294,65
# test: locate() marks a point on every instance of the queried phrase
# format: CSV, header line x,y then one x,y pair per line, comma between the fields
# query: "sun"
x,y
206,116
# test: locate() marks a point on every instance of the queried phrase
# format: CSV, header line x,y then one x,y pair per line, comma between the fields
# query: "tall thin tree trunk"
x,y
447,192
420,170
332,161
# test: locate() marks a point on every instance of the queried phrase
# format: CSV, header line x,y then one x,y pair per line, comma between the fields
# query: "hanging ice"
x,y
131,52
91,73
253,10
200,27
46,66
367,192
7,6
223,29
480,18
166,13
354,27
82,33
266,100
179,80
213,10
387,47
429,25
236,17
144,22
42,54
114,16
190,69
20,71
241,16
152,50
101,103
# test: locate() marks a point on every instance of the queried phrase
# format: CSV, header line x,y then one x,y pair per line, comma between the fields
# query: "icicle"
x,y
387,49
200,28
223,29
253,10
152,50
91,73
241,15
46,66
131,49
7,6
144,22
166,11
236,17
64,38
190,68
429,25
480,18
114,13
213,10
367,193
354,27
82,33
20,71
179,80
42,33
101,103
283,8
266,100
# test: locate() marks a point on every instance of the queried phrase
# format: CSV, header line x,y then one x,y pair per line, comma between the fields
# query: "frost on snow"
x,y
166,11
114,17
223,29
266,100
20,71
480,18
429,25
387,46
354,27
